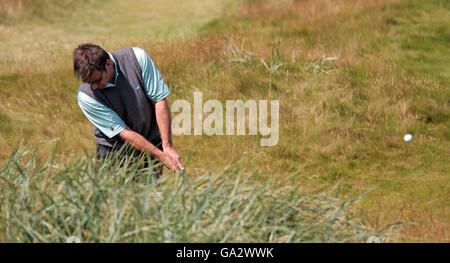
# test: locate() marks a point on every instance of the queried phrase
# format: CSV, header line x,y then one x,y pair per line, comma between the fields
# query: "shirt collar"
x,y
117,74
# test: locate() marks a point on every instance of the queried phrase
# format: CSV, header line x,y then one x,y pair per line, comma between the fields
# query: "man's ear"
x,y
109,62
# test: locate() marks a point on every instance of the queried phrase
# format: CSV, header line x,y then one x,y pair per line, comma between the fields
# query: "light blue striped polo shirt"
x,y
103,117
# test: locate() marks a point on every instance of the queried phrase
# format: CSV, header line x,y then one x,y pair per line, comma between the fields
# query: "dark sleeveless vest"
x,y
127,99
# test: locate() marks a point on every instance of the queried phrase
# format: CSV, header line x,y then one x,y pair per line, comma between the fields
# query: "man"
x,y
123,94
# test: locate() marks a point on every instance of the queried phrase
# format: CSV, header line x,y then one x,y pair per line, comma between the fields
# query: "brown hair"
x,y
87,58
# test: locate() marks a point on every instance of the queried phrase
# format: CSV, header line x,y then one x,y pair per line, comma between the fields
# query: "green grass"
x,y
50,201
340,119
422,45
35,36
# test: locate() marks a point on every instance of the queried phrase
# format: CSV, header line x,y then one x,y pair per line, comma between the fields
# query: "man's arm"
x,y
157,90
163,119
143,145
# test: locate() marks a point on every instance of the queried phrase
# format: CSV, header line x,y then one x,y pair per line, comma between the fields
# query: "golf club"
x,y
185,176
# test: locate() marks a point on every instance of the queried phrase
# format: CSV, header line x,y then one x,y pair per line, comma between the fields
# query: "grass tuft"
x,y
44,201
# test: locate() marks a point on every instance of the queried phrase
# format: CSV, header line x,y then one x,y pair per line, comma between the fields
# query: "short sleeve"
x,y
154,84
105,119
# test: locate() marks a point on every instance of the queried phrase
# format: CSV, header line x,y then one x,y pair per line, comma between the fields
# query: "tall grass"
x,y
47,201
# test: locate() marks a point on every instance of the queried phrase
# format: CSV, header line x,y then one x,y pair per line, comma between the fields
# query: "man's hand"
x,y
140,143
164,121
168,161
173,155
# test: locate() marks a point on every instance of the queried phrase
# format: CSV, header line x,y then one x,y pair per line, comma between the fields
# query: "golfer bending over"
x,y
123,94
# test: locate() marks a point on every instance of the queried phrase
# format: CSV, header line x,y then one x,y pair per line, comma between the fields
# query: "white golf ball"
x,y
407,138
373,239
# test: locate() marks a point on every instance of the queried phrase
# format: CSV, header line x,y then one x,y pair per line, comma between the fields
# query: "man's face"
x,y
99,79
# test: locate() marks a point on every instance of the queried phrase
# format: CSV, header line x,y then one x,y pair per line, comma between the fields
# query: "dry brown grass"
x,y
11,6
